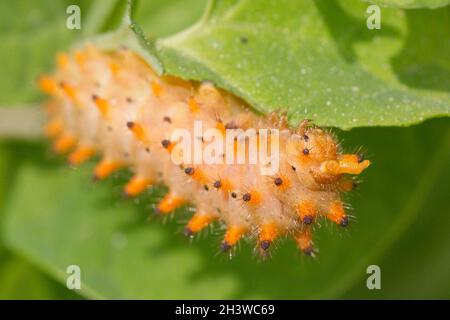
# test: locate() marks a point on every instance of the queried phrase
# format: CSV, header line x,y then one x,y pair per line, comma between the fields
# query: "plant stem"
x,y
22,122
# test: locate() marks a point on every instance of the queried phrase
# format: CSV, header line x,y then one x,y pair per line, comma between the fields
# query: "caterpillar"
x,y
113,104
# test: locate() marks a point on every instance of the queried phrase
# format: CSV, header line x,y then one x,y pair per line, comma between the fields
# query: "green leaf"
x,y
162,18
32,32
35,32
19,279
318,60
123,254
411,4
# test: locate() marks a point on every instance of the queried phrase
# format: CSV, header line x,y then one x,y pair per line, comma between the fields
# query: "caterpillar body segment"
x,y
114,105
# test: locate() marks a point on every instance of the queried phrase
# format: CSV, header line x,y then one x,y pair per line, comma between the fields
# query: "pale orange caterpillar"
x,y
114,105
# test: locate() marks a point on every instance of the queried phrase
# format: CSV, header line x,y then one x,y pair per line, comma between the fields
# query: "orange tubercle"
x,y
156,89
306,211
53,128
102,105
282,182
81,154
169,203
253,198
268,232
62,60
337,214
221,127
105,168
200,177
136,185
198,222
304,158
64,143
138,131
168,145
69,91
114,67
80,58
48,85
193,105
232,236
226,185
304,241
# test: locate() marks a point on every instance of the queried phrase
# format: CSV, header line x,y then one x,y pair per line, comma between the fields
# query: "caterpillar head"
x,y
317,159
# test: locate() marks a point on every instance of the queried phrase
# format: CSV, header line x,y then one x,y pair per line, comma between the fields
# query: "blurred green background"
x,y
52,216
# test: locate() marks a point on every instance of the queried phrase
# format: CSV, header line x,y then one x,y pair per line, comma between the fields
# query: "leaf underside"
x,y
318,60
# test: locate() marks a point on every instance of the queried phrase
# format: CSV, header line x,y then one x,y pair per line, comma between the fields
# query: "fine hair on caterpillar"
x,y
252,173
